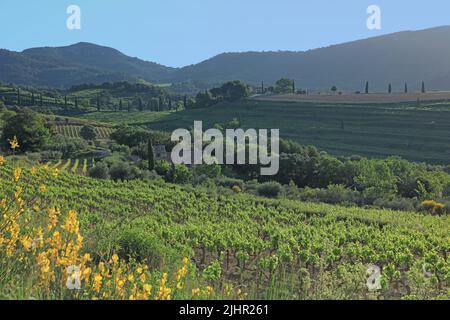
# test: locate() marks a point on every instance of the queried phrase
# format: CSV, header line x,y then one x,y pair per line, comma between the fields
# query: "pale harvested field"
x,y
361,98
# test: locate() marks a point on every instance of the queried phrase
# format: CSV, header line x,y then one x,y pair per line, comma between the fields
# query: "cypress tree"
x,y
98,103
32,99
120,105
390,88
76,103
65,102
406,87
185,102
151,156
293,86
19,100
40,100
262,87
367,87
423,87
161,103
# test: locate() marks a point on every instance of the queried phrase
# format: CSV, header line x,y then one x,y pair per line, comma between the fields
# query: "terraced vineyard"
x,y
73,131
76,166
270,249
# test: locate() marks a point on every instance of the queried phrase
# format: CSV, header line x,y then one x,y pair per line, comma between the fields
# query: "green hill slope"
x,y
269,248
418,133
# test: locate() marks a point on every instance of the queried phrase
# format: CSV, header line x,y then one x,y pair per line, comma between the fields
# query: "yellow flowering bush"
x,y
433,207
42,256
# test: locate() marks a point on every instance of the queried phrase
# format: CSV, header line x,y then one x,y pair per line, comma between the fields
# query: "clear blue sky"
x,y
182,32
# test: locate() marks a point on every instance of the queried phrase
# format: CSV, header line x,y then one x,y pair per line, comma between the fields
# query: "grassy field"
x,y
419,133
434,96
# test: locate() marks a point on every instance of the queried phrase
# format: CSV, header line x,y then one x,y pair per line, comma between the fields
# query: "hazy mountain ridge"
x,y
411,56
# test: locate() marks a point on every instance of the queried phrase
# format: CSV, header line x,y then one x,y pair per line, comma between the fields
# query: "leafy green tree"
x,y
284,85
29,128
88,133
328,171
231,91
376,179
203,100
333,89
130,136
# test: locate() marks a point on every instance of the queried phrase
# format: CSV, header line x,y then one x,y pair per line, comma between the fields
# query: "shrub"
x,y
120,171
88,133
236,189
47,156
433,207
162,167
100,171
269,189
229,182
179,174
141,245
209,170
334,194
400,204
120,148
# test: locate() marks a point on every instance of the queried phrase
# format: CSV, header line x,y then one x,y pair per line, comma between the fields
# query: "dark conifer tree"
x,y
151,156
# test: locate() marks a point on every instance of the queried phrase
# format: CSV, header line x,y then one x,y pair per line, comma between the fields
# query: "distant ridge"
x,y
409,56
